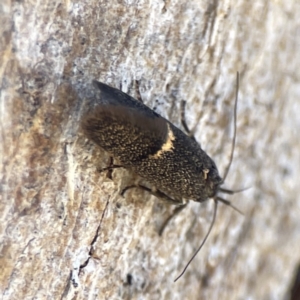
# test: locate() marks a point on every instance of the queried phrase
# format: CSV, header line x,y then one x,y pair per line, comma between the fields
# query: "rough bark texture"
x,y
66,233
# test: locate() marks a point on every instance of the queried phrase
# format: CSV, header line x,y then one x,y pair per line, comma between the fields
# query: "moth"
x,y
155,149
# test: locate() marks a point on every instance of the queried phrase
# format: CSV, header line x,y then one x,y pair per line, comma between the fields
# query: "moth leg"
x,y
135,86
110,168
183,122
176,211
157,194
137,90
161,195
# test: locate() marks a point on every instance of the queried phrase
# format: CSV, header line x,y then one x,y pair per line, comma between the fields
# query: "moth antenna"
x,y
231,192
228,203
234,128
203,242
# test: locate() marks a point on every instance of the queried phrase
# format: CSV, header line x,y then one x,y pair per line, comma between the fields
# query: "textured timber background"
x,y
65,232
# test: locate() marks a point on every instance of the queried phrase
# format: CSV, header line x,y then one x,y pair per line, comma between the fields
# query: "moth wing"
x,y
127,132
110,95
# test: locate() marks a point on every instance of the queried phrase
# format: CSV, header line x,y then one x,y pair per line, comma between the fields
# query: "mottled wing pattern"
x,y
125,132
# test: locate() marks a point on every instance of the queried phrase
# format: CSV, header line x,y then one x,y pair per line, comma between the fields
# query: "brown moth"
x,y
155,149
